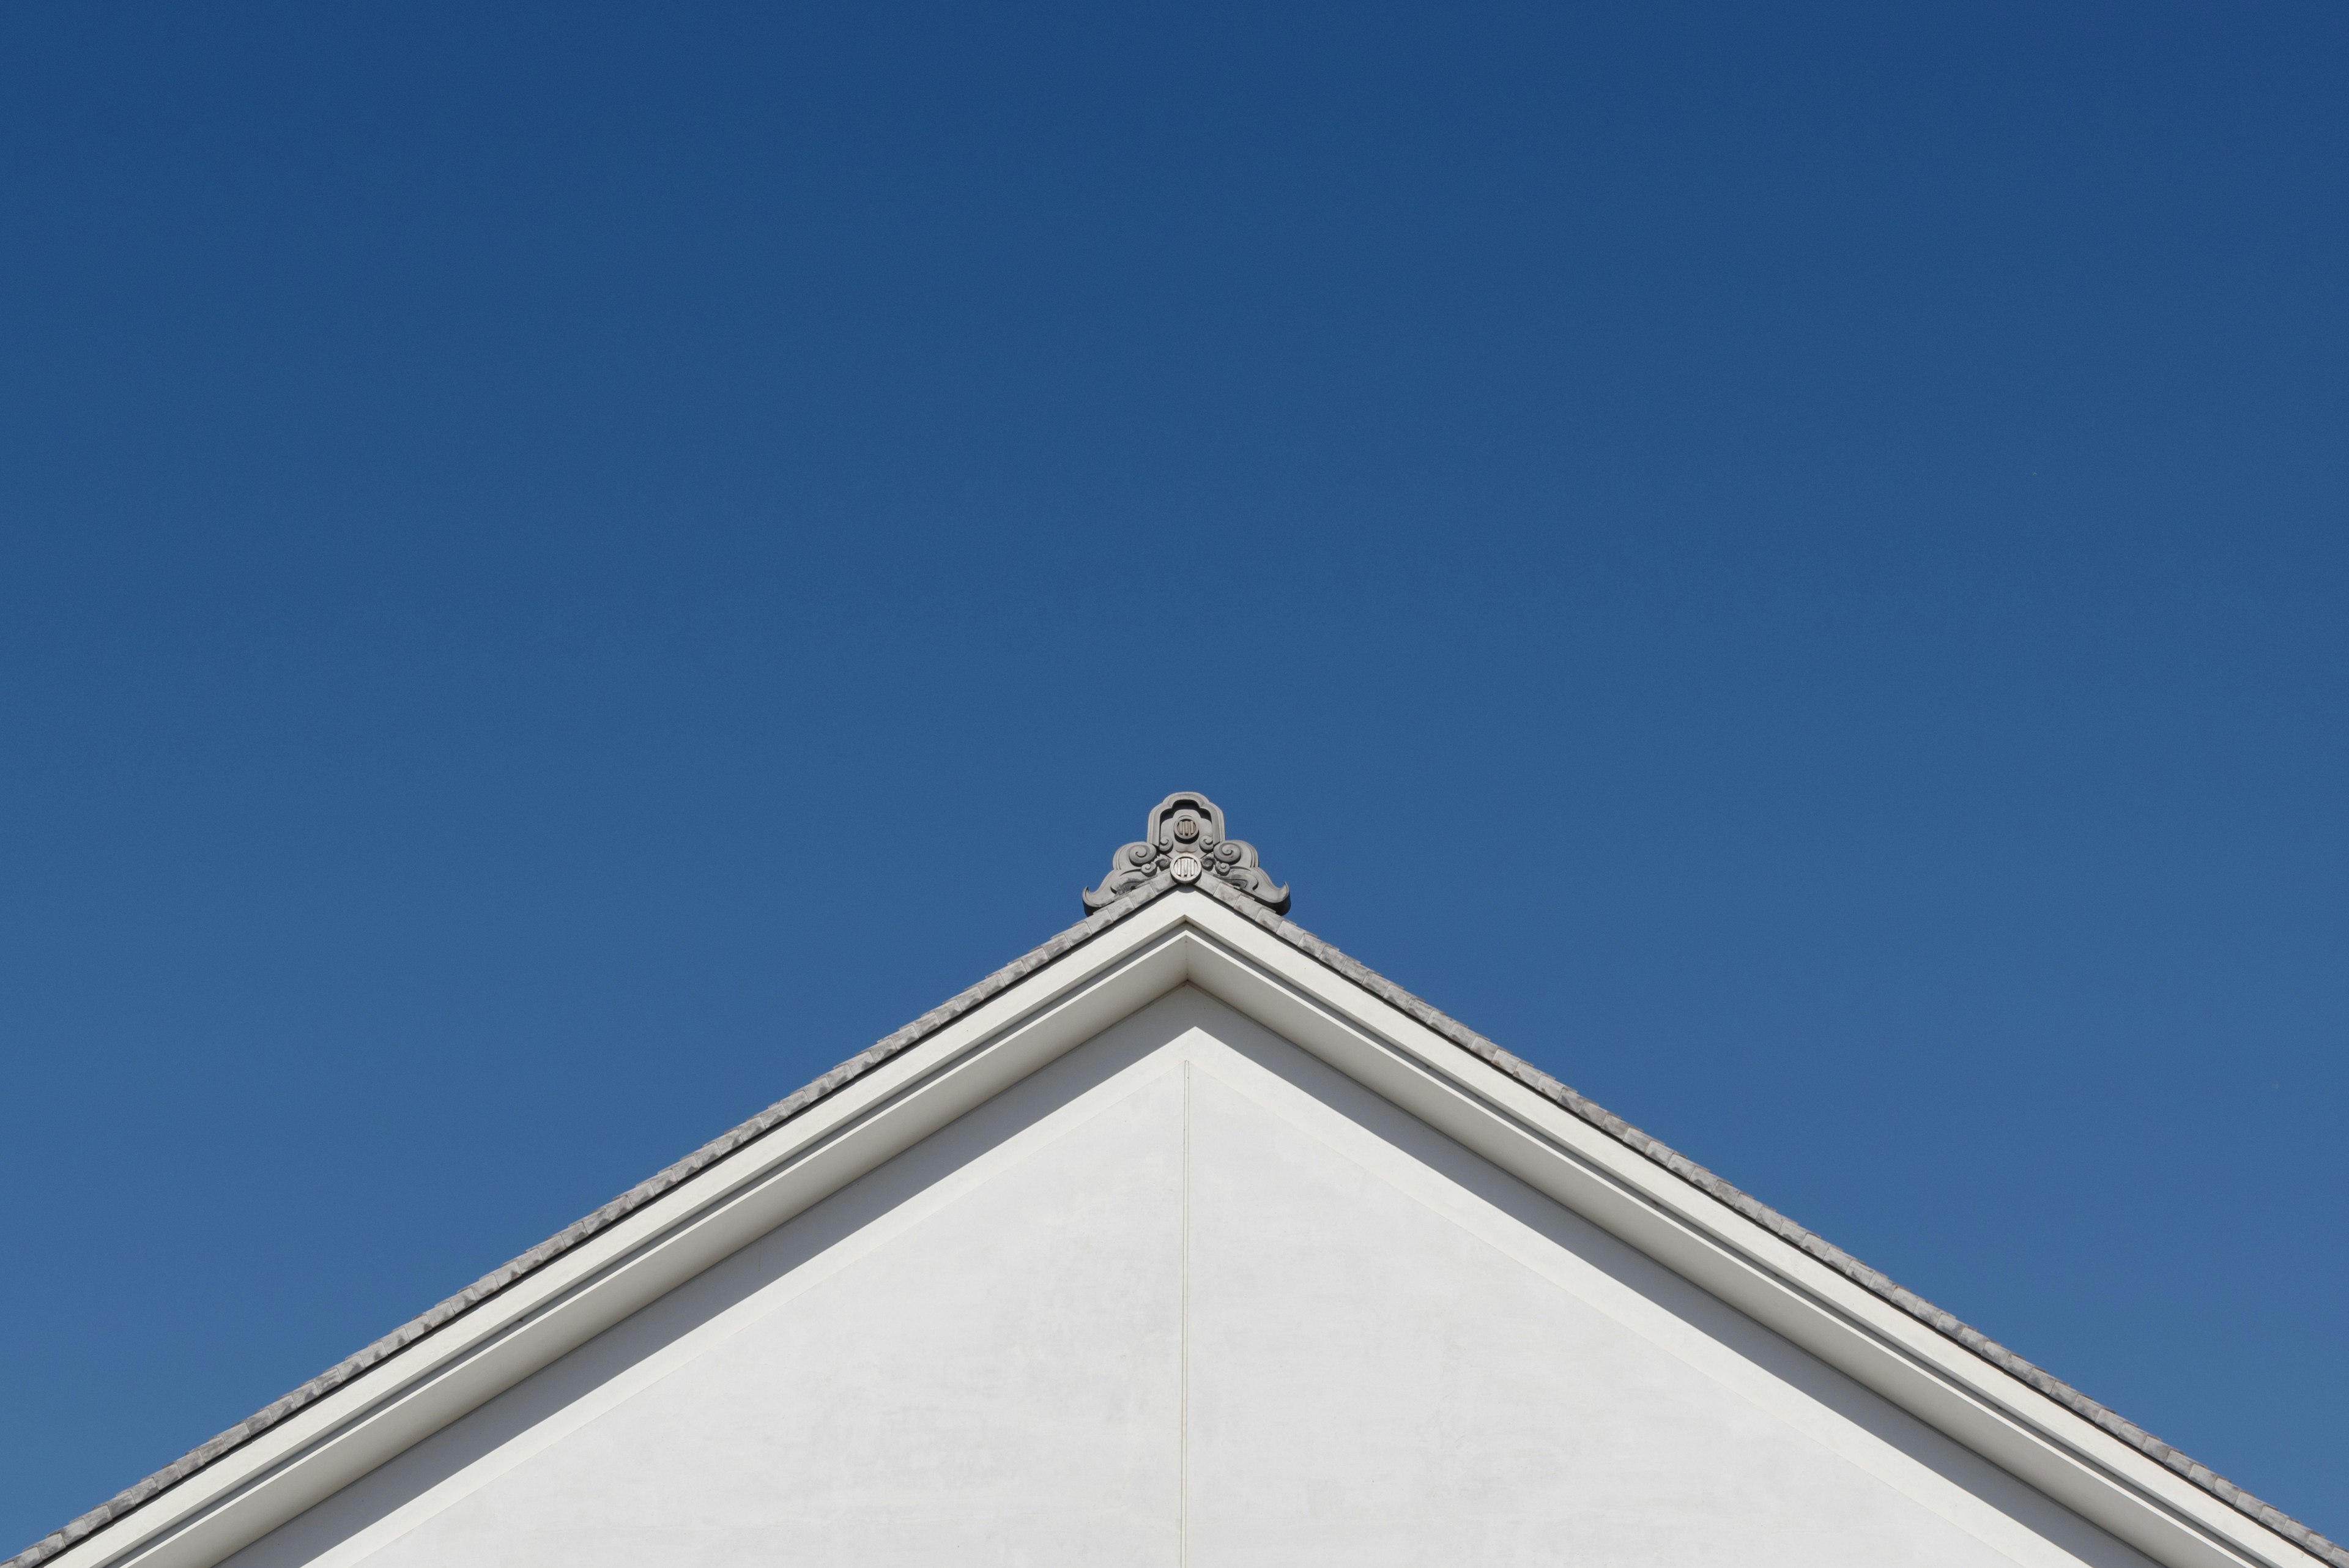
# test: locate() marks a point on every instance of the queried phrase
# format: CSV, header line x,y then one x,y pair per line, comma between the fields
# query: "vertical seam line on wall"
x,y
1182,1437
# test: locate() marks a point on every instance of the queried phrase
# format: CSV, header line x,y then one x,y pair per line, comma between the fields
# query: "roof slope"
x,y
1237,896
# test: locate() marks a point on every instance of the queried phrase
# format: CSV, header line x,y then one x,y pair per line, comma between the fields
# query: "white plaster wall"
x,y
1187,1296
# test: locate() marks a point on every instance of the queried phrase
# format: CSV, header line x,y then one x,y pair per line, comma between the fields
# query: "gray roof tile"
x,y
1110,914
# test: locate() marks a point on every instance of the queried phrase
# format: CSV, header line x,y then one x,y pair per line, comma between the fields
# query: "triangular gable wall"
x,y
1186,1240
1187,1295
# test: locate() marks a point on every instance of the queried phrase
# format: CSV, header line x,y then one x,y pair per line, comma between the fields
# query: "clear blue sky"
x,y
562,569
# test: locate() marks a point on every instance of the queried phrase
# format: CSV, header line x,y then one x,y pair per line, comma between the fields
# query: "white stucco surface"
x,y
1187,1296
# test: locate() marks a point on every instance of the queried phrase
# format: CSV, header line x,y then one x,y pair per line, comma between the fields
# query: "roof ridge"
x,y
1255,909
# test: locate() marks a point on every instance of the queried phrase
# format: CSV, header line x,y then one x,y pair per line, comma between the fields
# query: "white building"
x,y
1184,1239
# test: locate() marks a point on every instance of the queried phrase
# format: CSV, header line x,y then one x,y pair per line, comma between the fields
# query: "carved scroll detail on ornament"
x,y
1184,839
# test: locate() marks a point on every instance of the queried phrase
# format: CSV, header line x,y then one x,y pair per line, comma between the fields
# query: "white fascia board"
x,y
1924,1372
1181,937
391,1406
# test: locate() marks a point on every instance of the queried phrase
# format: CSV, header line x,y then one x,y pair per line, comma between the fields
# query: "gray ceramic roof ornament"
x,y
1184,840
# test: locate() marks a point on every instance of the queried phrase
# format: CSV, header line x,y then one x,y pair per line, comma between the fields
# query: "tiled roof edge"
x,y
497,1279
1786,1230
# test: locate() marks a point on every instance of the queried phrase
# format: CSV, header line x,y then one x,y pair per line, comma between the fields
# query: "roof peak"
x,y
1183,840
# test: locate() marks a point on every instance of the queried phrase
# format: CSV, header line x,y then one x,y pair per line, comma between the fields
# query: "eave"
x,y
553,1298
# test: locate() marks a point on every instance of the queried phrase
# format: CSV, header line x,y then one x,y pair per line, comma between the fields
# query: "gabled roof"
x,y
1200,885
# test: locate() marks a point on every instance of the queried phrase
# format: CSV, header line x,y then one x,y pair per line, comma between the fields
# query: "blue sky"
x,y
562,569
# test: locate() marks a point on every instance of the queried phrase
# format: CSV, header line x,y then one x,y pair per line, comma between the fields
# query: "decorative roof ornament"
x,y
1184,840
